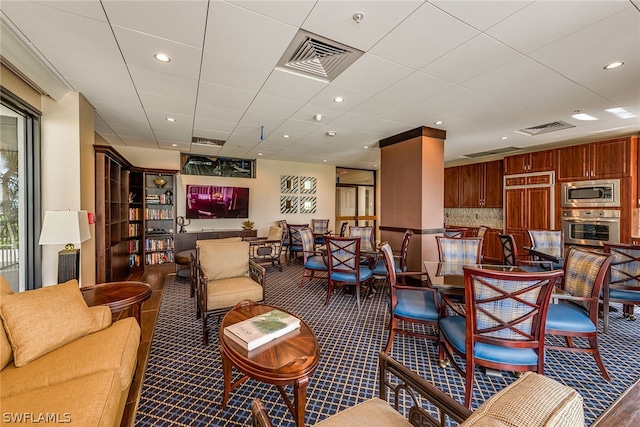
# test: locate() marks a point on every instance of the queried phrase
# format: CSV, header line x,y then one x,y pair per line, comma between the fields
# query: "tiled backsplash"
x,y
473,217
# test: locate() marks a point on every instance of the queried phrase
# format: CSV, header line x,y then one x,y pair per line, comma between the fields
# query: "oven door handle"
x,y
616,220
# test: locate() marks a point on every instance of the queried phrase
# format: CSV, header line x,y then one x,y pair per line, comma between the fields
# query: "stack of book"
x,y
261,329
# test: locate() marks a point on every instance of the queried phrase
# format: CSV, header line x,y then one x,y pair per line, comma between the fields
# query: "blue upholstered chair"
x,y
282,223
624,283
584,275
314,260
549,241
462,250
502,326
320,227
367,241
295,244
510,253
379,270
343,258
456,233
409,304
343,228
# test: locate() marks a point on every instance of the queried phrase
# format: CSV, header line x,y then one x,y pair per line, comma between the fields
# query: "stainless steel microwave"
x,y
591,194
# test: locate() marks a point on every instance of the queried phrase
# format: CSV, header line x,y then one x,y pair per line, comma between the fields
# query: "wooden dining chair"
x,y
282,223
510,254
343,259
463,250
409,304
313,260
502,326
320,227
367,240
343,228
379,270
584,275
295,243
456,232
624,282
550,241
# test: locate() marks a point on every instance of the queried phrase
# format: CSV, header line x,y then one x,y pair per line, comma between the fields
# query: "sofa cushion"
x,y
374,412
87,401
221,261
225,293
6,355
44,319
114,348
532,401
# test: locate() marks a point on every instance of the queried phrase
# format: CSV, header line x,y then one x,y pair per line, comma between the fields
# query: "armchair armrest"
x,y
257,272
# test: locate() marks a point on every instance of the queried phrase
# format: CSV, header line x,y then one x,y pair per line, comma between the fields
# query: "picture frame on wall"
x,y
288,204
288,184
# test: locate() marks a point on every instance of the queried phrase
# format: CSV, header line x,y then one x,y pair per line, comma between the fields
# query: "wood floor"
x,y
155,278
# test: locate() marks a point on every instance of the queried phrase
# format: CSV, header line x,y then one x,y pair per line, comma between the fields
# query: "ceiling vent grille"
x,y
492,152
314,56
207,141
546,128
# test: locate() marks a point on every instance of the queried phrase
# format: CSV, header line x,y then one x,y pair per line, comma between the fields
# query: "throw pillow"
x,y
44,319
5,346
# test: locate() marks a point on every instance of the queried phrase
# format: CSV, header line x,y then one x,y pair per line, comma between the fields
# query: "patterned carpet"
x,y
183,381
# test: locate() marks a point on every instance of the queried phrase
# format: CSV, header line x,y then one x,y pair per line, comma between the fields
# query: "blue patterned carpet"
x,y
183,381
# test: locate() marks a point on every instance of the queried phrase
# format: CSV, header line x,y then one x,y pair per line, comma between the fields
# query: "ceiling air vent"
x,y
492,152
546,128
207,141
314,56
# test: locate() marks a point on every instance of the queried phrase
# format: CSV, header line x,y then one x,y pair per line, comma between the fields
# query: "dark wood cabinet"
x,y
599,160
528,208
451,195
187,241
480,185
539,161
492,249
159,217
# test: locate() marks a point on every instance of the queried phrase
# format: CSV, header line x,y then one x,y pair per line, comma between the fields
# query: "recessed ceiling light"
x,y
171,119
366,146
331,132
174,145
324,160
614,65
439,122
259,154
285,136
338,99
375,166
504,137
162,57
583,116
621,112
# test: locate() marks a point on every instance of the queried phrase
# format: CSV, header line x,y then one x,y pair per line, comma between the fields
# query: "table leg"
x,y
605,306
300,400
135,310
226,370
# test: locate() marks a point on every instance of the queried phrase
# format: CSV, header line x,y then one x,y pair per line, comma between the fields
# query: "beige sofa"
x,y
63,362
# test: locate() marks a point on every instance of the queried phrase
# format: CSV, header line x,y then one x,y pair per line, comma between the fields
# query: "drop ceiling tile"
x,y
88,9
420,36
290,12
224,96
298,128
272,106
359,75
204,110
213,124
481,14
204,150
129,112
210,134
508,76
179,21
377,107
324,100
154,101
334,20
415,88
308,112
352,121
522,30
88,68
222,69
138,50
246,35
163,84
293,87
473,58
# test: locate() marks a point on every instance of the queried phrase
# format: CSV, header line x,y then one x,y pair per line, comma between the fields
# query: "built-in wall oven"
x,y
590,227
591,194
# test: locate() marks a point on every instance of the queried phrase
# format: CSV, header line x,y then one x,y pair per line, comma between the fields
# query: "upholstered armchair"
x,y
225,276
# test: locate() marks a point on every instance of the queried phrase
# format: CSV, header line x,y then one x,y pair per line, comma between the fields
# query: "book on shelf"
x,y
261,329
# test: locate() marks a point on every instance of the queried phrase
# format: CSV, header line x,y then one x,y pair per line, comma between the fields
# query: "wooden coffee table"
x,y
288,360
118,296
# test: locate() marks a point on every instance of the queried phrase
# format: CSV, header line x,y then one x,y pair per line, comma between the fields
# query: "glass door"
x,y
355,198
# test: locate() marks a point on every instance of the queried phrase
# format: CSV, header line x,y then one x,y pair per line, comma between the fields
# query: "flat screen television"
x,y
212,201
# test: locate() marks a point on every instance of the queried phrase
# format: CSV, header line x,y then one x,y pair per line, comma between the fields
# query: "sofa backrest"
x,y
223,260
6,354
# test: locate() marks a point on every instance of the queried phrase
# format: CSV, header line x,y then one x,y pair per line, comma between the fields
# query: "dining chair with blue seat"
x,y
456,232
510,255
577,315
502,324
549,241
282,223
313,260
295,243
624,281
380,271
460,250
409,304
343,259
320,227
367,240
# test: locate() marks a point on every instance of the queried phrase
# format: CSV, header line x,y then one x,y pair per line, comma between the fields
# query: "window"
x,y
20,255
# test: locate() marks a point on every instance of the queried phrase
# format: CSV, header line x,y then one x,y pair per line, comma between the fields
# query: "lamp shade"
x,y
64,227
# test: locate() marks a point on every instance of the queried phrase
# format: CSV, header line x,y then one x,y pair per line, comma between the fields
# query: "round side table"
x,y
118,296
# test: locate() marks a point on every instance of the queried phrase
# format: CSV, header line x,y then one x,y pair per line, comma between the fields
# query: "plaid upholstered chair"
x,y
314,260
457,232
409,304
379,270
510,253
282,223
295,244
463,250
502,326
549,241
320,227
624,284
577,316
367,241
343,259
343,228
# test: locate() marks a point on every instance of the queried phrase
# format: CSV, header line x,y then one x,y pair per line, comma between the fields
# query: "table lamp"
x,y
66,228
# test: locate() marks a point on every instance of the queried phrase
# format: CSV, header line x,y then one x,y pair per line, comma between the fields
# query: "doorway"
x,y
355,197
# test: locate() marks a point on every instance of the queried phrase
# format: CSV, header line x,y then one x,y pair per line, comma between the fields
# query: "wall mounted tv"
x,y
210,201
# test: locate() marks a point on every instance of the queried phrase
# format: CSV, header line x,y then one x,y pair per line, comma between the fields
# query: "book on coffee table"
x,y
261,329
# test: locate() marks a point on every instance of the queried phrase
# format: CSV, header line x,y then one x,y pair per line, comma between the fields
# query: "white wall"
x,y
264,190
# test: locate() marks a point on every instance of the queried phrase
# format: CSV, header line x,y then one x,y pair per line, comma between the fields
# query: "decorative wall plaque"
x,y
307,204
307,185
288,184
288,204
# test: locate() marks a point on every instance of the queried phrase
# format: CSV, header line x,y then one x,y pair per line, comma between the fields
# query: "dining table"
x,y
547,255
448,278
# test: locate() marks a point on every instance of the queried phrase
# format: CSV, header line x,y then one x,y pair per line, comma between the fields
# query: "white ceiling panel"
x,y
484,67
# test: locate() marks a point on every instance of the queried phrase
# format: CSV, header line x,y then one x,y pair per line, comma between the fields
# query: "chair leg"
x,y
393,324
329,291
593,342
205,332
304,276
358,294
468,388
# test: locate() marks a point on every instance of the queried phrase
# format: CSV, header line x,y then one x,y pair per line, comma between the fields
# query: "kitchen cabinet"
x,y
480,185
598,160
539,161
528,208
451,195
492,249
